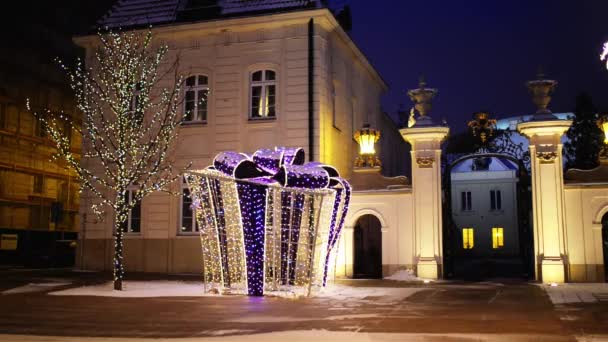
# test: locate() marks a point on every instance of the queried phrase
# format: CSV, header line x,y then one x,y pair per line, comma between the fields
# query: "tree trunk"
x,y
118,250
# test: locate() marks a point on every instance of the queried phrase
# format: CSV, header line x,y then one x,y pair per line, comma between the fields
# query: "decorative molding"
x,y
546,156
425,162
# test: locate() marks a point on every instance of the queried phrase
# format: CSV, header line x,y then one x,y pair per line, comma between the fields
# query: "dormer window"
x,y
263,95
196,99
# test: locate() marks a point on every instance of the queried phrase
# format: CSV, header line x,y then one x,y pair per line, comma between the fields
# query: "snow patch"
x,y
34,287
140,289
403,275
282,319
577,293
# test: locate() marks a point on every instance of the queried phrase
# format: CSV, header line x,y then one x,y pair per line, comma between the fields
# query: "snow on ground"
x,y
403,275
577,293
167,288
34,287
312,335
139,289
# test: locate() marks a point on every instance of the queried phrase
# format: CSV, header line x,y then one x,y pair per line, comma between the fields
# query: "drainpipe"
x,y
311,74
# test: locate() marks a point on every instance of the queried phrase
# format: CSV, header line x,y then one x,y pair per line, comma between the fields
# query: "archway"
x,y
479,240
605,244
367,247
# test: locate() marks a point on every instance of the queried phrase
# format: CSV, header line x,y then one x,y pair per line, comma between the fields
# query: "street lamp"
x,y
367,138
602,122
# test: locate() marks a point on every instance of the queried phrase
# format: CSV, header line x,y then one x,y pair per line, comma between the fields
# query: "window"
x,y
188,219
38,187
263,95
468,240
133,222
498,240
495,200
195,100
465,201
134,106
40,128
2,116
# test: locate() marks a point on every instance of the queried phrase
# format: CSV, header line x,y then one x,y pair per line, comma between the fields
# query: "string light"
x,y
129,124
268,223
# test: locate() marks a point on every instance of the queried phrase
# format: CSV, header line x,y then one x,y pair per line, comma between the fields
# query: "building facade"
x,y
263,76
484,206
271,73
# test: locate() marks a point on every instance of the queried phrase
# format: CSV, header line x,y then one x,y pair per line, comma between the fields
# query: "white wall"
x,y
394,209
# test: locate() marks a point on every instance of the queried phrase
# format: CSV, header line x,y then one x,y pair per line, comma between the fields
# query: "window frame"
x,y
264,84
195,228
127,228
196,88
498,237
466,201
495,200
468,238
38,185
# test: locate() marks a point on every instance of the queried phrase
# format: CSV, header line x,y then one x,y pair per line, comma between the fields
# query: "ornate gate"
x,y
498,144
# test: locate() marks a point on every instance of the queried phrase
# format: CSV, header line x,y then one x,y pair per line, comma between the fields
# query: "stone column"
x,y
425,138
544,132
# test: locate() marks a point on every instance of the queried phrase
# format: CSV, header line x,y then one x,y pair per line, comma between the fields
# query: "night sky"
x,y
480,53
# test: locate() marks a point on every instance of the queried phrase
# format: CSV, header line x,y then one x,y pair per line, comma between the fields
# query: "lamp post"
x,y
367,138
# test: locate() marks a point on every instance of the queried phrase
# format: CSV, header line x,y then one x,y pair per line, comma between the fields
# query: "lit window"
x,y
133,222
188,219
196,98
468,240
465,201
495,200
263,95
498,240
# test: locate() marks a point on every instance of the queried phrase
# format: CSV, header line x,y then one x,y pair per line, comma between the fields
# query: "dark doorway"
x,y
605,244
368,248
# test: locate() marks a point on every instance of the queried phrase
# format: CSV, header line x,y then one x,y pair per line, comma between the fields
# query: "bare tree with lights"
x,y
130,119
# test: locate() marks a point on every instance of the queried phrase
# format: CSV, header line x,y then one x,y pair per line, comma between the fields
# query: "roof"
x,y
137,13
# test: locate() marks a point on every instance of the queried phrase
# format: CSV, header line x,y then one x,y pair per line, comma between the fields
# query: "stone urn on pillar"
x,y
425,138
544,131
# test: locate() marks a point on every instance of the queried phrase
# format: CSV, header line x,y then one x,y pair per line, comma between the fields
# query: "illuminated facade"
x,y
279,77
290,76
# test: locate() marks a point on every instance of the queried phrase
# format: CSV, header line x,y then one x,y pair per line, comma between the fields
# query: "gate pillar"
x,y
544,132
425,138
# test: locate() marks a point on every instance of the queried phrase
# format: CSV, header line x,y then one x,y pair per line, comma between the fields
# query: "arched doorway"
x,y
605,244
368,248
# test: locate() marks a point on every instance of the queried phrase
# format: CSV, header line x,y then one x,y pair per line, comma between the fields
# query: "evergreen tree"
x,y
585,137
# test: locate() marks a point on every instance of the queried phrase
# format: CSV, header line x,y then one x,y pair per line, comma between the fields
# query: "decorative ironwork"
x,y
501,144
482,126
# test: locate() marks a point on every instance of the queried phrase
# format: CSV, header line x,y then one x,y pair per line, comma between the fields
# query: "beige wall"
x,y
585,207
394,210
227,52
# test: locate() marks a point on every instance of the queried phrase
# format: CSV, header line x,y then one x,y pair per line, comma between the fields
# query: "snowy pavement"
x,y
572,293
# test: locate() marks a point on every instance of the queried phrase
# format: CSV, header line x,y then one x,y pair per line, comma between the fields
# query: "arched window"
x,y
196,98
263,92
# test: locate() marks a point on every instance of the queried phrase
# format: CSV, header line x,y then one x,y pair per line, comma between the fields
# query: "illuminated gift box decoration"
x,y
268,222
